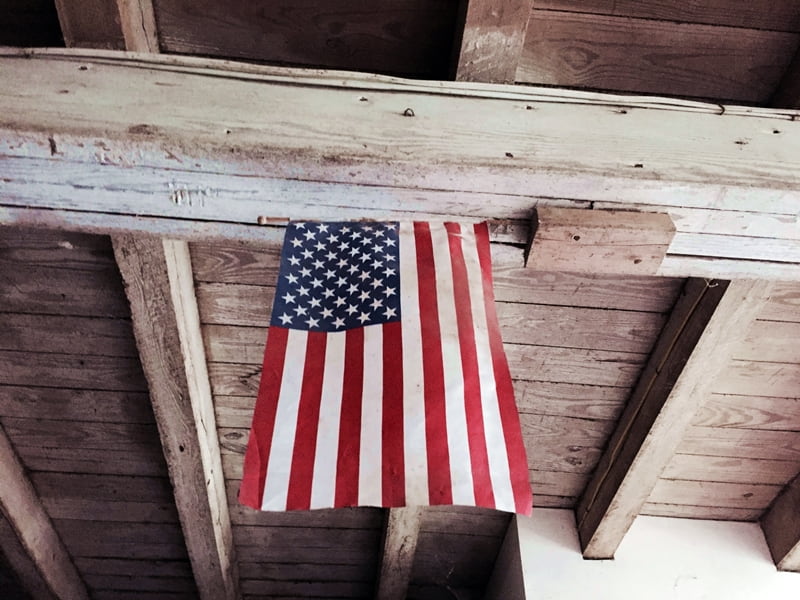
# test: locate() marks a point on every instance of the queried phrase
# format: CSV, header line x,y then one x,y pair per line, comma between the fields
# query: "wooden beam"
x,y
28,576
121,24
781,525
599,241
709,320
400,535
160,287
787,94
72,141
508,579
492,39
28,518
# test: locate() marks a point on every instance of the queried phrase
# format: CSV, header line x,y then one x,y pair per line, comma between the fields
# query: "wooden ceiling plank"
x,y
401,533
66,146
781,526
492,39
787,94
709,320
159,284
47,557
119,24
593,241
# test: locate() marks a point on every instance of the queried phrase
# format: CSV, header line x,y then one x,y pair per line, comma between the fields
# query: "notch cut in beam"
x,y
400,536
708,322
599,241
781,526
492,39
160,287
28,518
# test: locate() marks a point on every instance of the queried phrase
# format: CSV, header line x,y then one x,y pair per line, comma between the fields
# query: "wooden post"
x,y
160,287
401,532
709,320
781,525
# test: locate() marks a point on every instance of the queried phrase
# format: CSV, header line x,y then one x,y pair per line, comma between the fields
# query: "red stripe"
x,y
394,481
350,424
518,463
439,483
305,440
479,456
251,491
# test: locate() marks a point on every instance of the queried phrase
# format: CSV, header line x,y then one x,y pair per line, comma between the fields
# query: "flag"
x,y
384,380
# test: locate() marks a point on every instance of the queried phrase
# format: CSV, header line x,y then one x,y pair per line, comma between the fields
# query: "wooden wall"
x,y
74,403
716,49
744,444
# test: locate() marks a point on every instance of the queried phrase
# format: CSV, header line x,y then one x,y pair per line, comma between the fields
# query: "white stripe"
x,y
370,463
492,424
323,484
456,413
415,448
276,484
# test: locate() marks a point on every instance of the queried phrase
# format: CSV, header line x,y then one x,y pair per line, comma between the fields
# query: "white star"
x,y
339,322
363,296
342,263
309,235
376,304
319,246
288,298
388,272
316,283
341,281
285,319
363,275
389,312
377,248
312,322
323,227
307,254
366,228
377,264
363,317
334,238
389,242
330,255
327,293
300,310
356,235
339,301
300,225
292,278
351,309
296,243
345,229
314,302
330,274
327,313
305,272
352,269
365,257
376,283
390,257
379,233
318,264
294,261
354,251
352,289
302,290
343,246
389,291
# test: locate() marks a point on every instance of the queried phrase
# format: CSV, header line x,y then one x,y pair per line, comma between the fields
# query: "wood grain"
x,y
75,405
750,412
409,37
148,460
771,341
731,470
714,513
783,304
778,380
570,400
779,15
95,24
659,57
401,533
62,249
741,443
781,526
58,435
707,493
91,539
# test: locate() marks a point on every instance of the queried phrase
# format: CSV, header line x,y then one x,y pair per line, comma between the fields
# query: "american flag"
x,y
384,380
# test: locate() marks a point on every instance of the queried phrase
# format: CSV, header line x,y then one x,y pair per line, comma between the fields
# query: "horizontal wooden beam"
x,y
400,535
93,132
160,287
599,241
49,562
709,320
781,525
492,38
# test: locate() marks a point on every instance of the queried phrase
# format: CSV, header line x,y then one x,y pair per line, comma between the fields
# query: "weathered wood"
x,y
449,149
75,405
787,93
138,23
63,249
491,40
158,278
398,36
21,564
24,510
109,373
730,470
400,536
508,579
708,321
570,400
594,241
741,443
779,380
783,304
778,15
781,525
770,341
90,24
713,513
713,493
133,568
750,412
110,539
686,59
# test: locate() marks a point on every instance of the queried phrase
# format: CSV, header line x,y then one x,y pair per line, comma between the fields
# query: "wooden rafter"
x,y
401,532
708,321
491,43
781,525
138,22
466,153
121,24
160,287
47,561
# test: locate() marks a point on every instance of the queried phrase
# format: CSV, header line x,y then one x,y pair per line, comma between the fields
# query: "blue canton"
x,y
337,276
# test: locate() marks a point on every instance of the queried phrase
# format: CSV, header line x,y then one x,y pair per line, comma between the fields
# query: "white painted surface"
x,y
659,559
